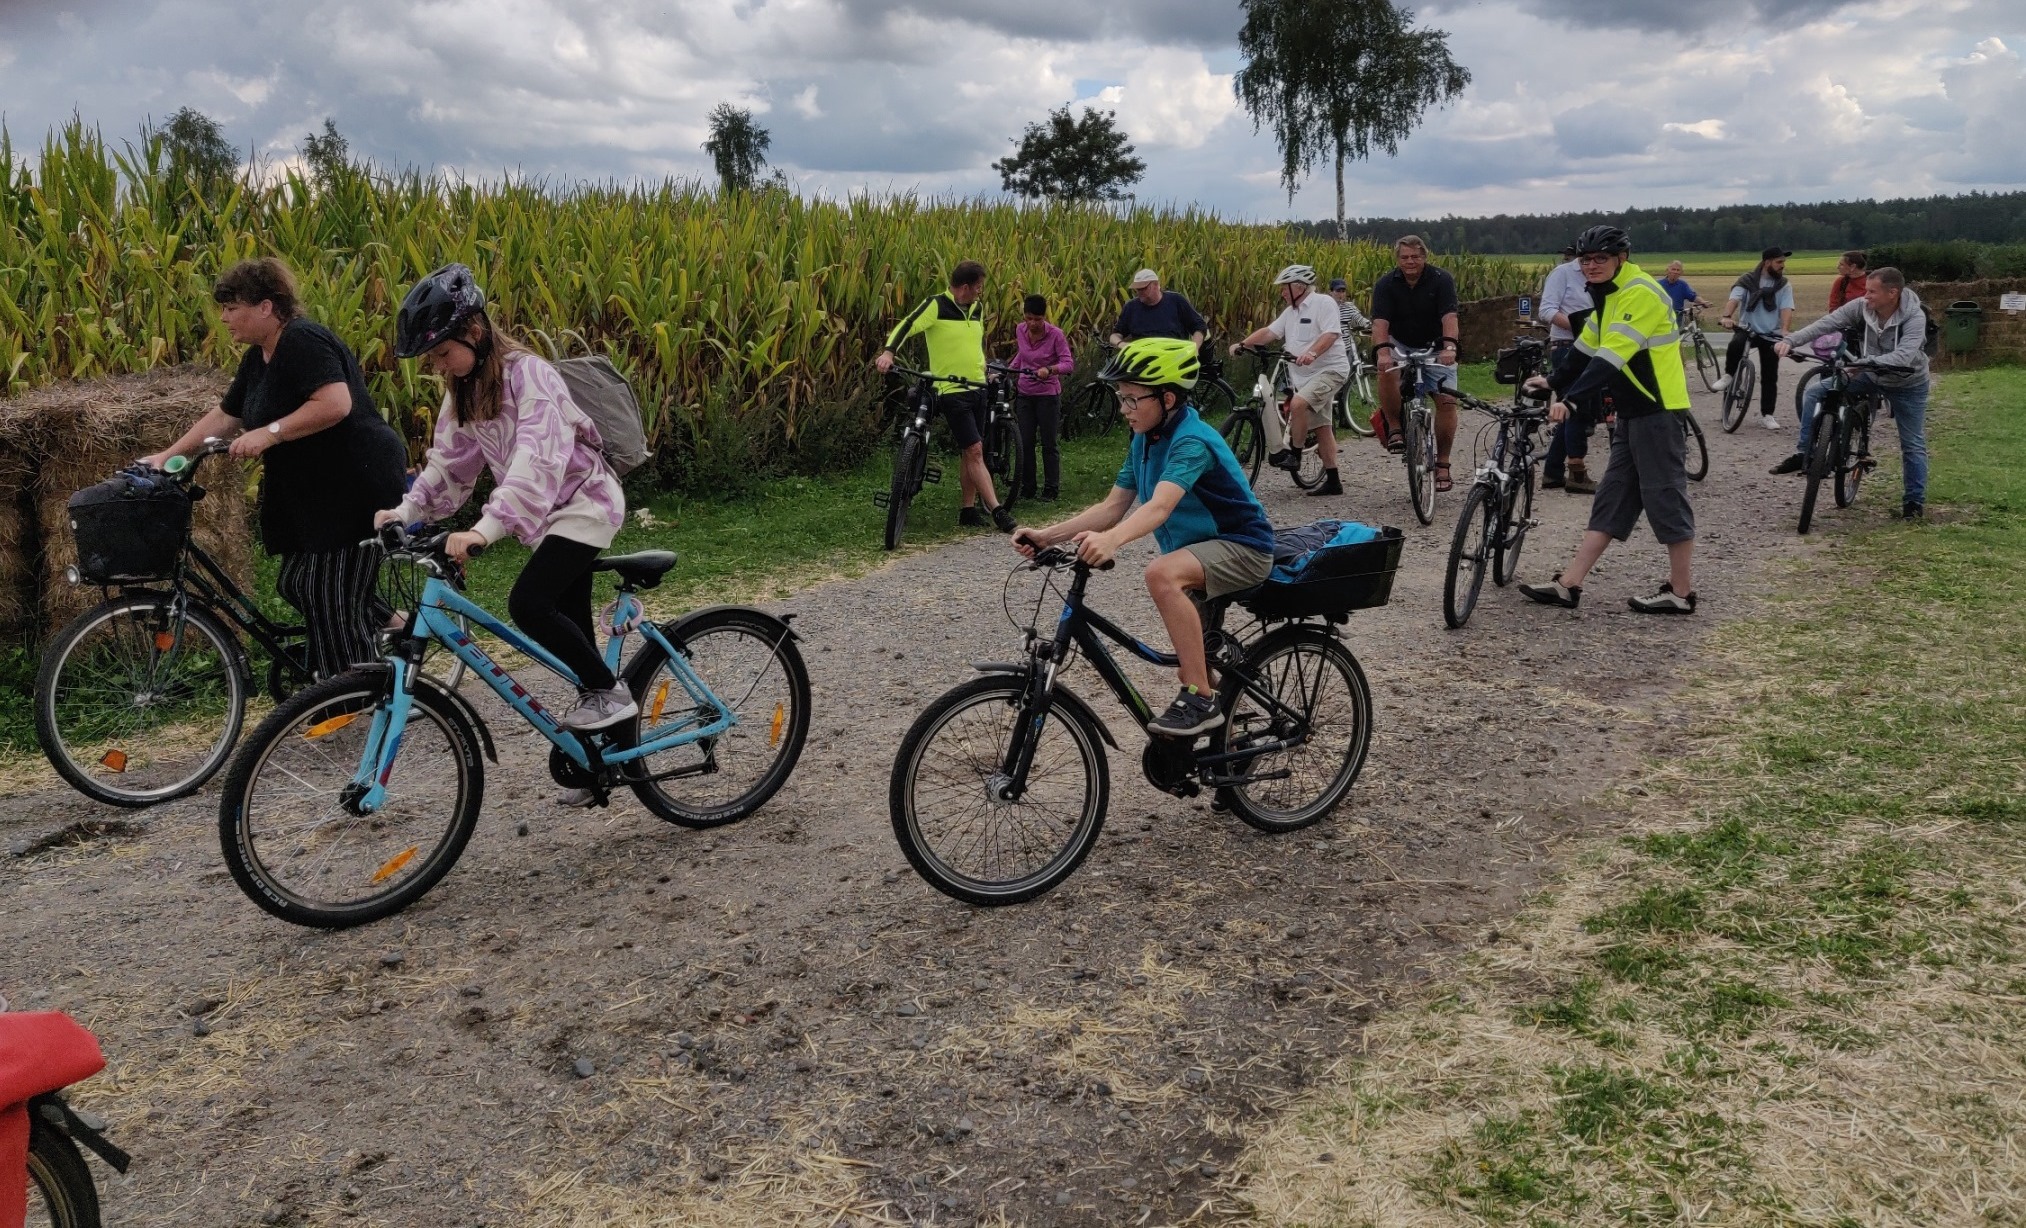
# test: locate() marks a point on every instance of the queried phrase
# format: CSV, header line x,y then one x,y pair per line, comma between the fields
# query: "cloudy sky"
x,y
1575,104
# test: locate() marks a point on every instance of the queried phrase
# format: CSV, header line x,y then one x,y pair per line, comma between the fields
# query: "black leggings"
x,y
551,604
1769,367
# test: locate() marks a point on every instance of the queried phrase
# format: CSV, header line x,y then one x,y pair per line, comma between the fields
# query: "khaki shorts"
x,y
1321,389
1229,567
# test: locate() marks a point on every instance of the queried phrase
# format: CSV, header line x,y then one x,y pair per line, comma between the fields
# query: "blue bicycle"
x,y
354,797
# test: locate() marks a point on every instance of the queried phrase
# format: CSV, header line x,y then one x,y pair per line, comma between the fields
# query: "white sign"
x,y
2012,302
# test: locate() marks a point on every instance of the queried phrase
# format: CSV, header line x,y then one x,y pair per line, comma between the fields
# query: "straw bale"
x,y
19,616
77,434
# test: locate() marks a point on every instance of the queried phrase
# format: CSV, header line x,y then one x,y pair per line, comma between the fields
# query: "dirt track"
x,y
782,1023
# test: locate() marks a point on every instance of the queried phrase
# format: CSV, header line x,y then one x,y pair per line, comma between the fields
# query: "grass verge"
x,y
1797,993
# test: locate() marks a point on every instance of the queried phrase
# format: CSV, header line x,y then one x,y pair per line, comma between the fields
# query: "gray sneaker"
x,y
576,799
600,710
1191,713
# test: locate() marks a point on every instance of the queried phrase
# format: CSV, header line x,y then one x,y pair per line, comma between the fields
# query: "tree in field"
x,y
738,148
200,158
328,154
1339,79
1065,158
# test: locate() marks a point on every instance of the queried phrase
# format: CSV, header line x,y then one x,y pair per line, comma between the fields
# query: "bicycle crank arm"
x,y
1252,752
1232,782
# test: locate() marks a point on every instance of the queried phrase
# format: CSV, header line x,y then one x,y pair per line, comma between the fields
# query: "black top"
x,y
1413,314
1174,316
321,490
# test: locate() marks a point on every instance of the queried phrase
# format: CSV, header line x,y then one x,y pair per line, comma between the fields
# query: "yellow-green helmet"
x,y
1156,362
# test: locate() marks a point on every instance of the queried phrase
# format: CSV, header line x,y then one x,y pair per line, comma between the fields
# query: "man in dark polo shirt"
x,y
1415,307
1154,312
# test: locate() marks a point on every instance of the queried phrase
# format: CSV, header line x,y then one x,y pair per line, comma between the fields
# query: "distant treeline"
x,y
1980,217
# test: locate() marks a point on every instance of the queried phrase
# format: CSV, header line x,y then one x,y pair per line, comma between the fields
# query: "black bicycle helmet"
x,y
1606,239
436,307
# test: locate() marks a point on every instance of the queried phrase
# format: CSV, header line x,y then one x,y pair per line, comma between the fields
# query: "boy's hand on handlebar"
x,y
1095,548
1028,542
461,546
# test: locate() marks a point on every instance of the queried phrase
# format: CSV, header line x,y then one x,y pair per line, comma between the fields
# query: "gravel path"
x,y
610,1016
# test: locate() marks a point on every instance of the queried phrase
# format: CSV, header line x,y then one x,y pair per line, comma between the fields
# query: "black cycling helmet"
x,y
1607,239
436,307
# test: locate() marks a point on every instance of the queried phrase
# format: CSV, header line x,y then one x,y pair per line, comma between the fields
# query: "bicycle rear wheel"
x,y
749,661
909,464
943,798
1853,458
1419,439
1822,459
1248,443
1002,451
1707,365
1355,403
1470,553
290,841
1308,672
1801,389
1214,403
1698,447
61,1193
1513,525
1309,472
140,699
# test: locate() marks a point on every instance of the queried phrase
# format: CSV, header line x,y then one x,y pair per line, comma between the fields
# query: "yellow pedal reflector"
x,y
395,863
780,717
323,728
660,698
164,640
114,760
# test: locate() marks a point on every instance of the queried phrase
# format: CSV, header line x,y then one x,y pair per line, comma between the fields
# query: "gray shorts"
x,y
1648,472
1229,567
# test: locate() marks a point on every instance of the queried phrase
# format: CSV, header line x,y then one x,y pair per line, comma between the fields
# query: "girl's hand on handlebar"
x,y
386,516
1095,548
460,545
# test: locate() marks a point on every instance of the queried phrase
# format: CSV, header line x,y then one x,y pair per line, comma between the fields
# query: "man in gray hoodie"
x,y
1895,365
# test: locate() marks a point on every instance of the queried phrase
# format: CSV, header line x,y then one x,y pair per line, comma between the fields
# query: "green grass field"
x,y
1720,264
1788,990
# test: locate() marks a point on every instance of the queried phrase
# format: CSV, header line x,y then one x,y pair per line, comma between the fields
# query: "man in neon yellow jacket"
x,y
1628,356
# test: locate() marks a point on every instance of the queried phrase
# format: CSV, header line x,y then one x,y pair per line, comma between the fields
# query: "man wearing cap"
x,y
1154,312
1565,304
1761,302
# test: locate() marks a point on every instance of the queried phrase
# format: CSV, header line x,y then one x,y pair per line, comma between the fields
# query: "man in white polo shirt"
x,y
1311,332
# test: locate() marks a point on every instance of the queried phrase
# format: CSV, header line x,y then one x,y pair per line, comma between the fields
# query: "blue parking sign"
x,y
1526,307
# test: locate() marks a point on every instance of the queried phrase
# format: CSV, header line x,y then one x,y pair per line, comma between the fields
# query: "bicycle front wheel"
x,y
1822,460
958,833
1309,472
1853,459
1002,451
61,1193
1707,365
909,464
1420,457
1698,447
291,842
1248,443
1214,403
749,663
139,700
1319,696
1738,397
1358,399
1470,553
1514,522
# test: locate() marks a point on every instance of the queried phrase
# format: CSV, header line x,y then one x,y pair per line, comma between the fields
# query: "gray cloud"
x,y
1604,129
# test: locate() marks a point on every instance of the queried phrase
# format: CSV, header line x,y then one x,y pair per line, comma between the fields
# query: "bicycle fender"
x,y
456,701
781,625
1069,699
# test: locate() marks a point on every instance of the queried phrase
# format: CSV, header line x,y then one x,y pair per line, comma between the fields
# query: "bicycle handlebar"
x,y
1007,368
911,373
1056,556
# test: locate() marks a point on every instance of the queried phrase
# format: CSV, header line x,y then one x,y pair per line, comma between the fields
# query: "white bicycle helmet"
x,y
1302,273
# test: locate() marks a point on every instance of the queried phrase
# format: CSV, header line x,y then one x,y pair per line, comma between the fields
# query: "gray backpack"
x,y
607,399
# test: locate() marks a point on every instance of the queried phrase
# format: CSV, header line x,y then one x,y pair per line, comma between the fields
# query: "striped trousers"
x,y
334,591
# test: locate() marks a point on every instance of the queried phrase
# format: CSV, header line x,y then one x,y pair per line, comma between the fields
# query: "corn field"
x,y
745,321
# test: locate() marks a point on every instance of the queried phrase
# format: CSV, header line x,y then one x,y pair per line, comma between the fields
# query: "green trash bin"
x,y
1961,324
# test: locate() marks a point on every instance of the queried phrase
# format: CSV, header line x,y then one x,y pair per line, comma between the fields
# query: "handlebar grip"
x,y
175,465
476,549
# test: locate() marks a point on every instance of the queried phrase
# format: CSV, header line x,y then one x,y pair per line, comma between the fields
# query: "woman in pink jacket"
x,y
508,412
1040,347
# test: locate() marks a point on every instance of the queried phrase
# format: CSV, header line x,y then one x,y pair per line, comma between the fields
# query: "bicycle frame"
x,y
436,620
214,589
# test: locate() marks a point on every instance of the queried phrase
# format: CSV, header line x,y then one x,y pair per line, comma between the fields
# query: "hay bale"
x,y
20,611
76,434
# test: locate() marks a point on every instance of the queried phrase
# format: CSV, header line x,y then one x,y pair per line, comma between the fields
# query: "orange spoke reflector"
x,y
322,728
164,640
395,863
660,698
780,715
114,760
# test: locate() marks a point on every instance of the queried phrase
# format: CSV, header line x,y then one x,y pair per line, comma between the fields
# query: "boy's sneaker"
x,y
1666,601
1554,592
971,518
1191,713
1770,421
1793,464
600,710
1002,519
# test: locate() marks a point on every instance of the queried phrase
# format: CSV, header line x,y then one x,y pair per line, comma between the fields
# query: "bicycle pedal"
x,y
882,499
933,475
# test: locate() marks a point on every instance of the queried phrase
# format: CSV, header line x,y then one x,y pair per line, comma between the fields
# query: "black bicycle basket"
x,y
130,527
1334,581
1522,360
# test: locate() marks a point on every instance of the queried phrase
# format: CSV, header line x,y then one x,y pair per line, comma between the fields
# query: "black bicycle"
x,y
1498,511
911,467
140,698
1696,342
1001,785
1002,429
1418,373
1737,403
1839,452
1095,410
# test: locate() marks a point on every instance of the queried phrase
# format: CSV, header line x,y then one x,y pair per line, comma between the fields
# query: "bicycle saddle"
x,y
644,568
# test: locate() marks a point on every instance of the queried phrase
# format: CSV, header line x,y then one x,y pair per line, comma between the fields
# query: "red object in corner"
x,y
41,1052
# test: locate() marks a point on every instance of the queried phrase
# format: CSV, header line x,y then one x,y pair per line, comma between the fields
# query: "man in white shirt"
x,y
1311,333
1565,304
